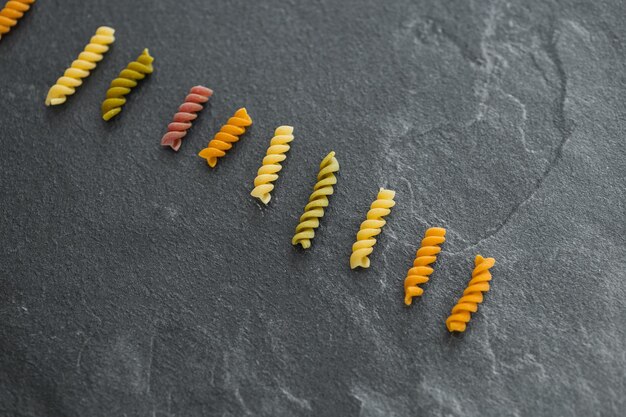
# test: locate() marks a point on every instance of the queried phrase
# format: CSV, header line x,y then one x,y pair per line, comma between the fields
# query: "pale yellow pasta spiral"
x,y
81,67
371,227
268,172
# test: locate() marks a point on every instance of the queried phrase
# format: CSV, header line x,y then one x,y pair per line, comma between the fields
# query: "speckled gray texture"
x,y
138,282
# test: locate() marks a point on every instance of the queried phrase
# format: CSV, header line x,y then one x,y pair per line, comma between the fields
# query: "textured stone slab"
x,y
135,281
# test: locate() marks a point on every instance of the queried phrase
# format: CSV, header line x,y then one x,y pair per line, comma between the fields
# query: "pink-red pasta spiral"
x,y
187,113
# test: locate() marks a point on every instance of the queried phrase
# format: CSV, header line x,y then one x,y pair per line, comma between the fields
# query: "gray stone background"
x,y
138,282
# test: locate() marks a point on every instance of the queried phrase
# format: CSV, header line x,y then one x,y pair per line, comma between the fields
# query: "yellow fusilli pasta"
x,y
365,240
472,296
268,172
81,67
314,210
124,83
12,12
426,255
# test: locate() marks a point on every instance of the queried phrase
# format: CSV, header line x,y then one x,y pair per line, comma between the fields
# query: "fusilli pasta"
x,y
12,12
228,134
365,241
81,67
472,296
124,83
314,210
187,112
268,172
426,255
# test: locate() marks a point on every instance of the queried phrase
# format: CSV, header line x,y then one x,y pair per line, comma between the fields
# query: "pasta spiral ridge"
x,y
187,113
472,296
12,12
228,134
371,227
124,83
268,172
421,270
81,67
318,200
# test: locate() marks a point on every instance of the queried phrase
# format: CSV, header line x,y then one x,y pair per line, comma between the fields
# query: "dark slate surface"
x,y
137,282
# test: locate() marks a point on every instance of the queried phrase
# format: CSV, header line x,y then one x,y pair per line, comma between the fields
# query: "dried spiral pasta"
x,y
314,210
187,112
472,296
12,12
371,227
426,255
81,67
124,83
228,134
268,172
